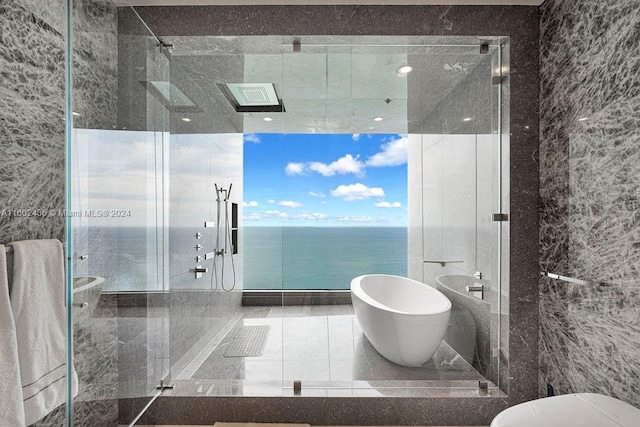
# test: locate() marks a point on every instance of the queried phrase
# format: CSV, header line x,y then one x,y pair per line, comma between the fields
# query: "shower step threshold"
x,y
323,410
296,297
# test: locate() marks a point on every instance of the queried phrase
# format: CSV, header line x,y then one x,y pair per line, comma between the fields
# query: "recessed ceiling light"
x,y
583,119
467,119
186,119
378,119
267,119
404,70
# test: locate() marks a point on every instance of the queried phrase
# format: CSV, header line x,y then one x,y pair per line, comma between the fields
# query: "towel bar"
x,y
563,278
9,249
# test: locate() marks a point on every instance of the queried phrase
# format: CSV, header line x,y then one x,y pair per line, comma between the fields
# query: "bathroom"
x,y
571,141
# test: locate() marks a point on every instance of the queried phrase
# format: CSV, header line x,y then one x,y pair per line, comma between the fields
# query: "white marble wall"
x,y
590,193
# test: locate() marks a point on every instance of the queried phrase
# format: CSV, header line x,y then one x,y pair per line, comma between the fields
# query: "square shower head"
x,y
252,97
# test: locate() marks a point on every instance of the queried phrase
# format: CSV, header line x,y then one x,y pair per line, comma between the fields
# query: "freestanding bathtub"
x,y
403,319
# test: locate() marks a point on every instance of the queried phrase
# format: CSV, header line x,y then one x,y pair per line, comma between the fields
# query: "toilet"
x,y
570,410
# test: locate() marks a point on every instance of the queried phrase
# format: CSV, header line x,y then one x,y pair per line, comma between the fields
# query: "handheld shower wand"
x,y
223,226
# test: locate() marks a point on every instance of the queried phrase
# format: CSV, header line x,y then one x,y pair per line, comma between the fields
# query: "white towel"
x,y
37,301
11,408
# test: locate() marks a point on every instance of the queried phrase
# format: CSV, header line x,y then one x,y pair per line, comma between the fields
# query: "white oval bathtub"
x,y
403,319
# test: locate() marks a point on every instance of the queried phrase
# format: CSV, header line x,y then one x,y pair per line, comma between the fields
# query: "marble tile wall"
x,y
140,60
462,102
95,328
32,120
590,191
32,152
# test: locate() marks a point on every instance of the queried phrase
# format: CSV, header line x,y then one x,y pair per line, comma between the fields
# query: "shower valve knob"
x,y
198,258
199,271
198,247
198,235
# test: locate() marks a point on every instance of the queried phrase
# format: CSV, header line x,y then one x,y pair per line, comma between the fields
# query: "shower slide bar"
x,y
563,278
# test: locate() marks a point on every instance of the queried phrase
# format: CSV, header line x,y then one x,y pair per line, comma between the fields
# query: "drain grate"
x,y
249,342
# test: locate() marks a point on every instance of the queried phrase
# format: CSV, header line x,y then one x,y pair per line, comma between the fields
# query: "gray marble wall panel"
x,y
590,175
32,121
32,151
95,104
141,60
463,102
520,24
95,344
95,64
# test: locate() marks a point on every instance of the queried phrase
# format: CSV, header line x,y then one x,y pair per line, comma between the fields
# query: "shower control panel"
x,y
199,270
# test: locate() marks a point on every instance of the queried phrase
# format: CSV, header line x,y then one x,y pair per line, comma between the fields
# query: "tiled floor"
x,y
320,344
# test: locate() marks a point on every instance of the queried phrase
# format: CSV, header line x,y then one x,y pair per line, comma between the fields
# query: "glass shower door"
x,y
116,179
458,157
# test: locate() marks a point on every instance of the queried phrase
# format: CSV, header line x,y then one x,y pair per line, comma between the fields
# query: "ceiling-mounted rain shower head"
x,y
252,97
171,96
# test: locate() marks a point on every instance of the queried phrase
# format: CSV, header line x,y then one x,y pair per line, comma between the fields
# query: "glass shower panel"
x,y
350,219
117,181
461,190
230,235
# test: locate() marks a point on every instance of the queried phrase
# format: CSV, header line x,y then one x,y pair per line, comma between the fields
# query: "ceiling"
x,y
335,84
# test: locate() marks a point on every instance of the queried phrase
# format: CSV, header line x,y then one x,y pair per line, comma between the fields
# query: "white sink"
x,y
83,283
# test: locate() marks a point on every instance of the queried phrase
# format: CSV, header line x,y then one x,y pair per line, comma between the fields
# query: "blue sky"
x,y
325,180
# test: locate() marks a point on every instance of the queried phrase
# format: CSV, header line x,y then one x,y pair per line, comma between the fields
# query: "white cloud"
x,y
253,217
394,153
355,219
388,205
289,204
271,215
271,201
278,214
251,204
320,194
312,216
344,165
294,169
252,137
355,136
357,192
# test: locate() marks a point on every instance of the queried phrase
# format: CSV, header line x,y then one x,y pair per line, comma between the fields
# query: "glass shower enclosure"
x,y
214,243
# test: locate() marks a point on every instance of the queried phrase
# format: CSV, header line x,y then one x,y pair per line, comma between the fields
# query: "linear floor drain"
x,y
249,342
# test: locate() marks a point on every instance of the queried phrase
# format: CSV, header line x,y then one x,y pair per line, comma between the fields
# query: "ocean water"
x,y
274,257
320,257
